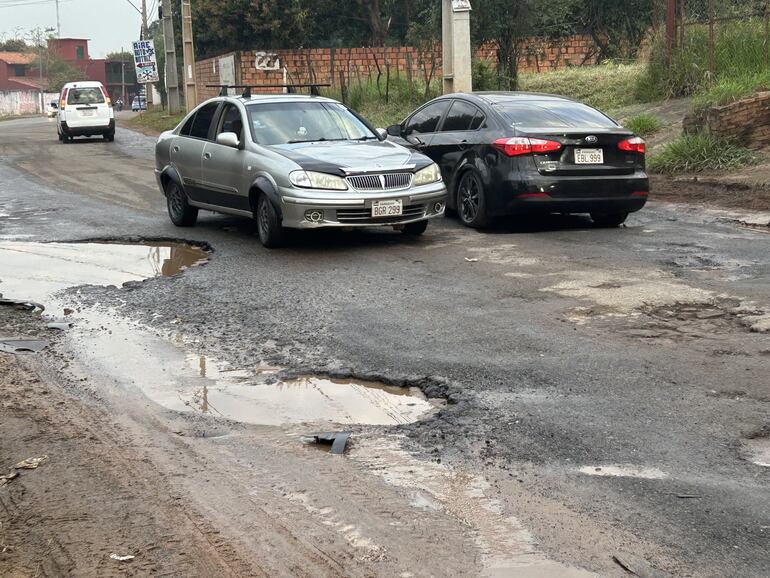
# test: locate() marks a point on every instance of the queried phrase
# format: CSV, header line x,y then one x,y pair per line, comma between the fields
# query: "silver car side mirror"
x,y
382,133
228,139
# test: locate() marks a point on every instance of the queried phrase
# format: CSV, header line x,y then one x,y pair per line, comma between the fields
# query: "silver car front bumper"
x,y
306,209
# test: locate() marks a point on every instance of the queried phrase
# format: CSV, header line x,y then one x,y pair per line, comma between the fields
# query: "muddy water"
x,y
758,451
177,379
35,271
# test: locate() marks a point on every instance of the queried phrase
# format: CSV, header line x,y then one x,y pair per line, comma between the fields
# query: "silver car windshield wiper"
x,y
367,138
315,140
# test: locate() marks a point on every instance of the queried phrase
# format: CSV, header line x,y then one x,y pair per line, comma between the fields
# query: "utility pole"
x,y
188,53
145,36
172,82
456,45
58,22
123,96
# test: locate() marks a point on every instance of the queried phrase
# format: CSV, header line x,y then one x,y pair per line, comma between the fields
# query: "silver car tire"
x,y
271,233
179,210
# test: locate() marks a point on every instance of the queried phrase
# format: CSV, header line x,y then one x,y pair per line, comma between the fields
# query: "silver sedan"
x,y
294,162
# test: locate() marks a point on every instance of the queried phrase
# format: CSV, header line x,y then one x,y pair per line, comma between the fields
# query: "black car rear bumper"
x,y
564,194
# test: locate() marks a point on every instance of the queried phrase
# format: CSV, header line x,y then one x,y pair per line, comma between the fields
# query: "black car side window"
x,y
427,119
202,122
461,116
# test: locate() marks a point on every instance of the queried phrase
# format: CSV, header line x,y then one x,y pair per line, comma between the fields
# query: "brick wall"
x,y
325,65
746,121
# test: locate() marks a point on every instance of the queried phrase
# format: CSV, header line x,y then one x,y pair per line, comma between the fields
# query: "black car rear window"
x,y
553,114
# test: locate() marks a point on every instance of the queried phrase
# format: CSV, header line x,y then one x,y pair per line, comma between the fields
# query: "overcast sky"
x,y
109,24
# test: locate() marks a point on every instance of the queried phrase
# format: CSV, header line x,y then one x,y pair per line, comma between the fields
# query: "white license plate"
x,y
387,208
589,156
88,112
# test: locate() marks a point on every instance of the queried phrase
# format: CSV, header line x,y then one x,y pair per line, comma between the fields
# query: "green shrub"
x,y
484,75
729,90
607,87
643,124
698,153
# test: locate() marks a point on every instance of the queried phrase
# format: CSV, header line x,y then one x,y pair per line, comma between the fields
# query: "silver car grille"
x,y
383,182
362,216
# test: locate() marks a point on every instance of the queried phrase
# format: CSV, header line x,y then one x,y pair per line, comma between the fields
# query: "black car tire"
x,y
179,210
109,136
609,220
471,208
415,229
271,233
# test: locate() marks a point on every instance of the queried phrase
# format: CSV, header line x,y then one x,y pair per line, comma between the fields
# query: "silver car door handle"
x,y
206,155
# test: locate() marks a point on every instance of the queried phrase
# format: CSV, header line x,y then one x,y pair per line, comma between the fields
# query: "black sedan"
x,y
506,153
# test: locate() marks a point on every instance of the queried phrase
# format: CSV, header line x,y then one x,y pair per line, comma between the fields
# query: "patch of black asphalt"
x,y
532,393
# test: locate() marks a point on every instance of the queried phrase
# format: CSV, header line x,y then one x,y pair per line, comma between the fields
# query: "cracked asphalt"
x,y
564,350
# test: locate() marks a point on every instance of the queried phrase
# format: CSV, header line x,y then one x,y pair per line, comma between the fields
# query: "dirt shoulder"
x,y
93,495
708,193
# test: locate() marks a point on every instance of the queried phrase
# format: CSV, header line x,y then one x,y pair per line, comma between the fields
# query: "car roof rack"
x,y
290,88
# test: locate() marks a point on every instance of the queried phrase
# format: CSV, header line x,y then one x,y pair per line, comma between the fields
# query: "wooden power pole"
x,y
172,82
188,52
146,36
670,28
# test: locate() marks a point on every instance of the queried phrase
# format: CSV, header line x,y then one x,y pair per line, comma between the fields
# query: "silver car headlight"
x,y
428,175
313,180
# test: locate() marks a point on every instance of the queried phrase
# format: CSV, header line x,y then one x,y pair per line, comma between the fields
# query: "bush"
x,y
484,76
731,89
643,124
606,86
698,153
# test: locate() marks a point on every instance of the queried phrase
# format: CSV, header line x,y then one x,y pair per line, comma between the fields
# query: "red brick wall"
x,y
745,121
324,65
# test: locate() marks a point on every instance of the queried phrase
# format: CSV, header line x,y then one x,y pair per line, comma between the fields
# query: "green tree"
x,y
14,45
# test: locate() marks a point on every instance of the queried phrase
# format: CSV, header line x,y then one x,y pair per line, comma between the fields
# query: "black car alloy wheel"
x,y
470,200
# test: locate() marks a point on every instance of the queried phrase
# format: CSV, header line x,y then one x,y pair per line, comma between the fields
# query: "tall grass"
x,y
698,153
387,102
605,86
739,55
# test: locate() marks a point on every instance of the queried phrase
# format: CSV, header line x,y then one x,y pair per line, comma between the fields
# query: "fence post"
x,y
670,29
712,64
767,34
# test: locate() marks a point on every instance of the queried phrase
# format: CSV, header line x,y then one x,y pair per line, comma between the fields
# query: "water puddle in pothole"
x,y
757,451
35,271
171,376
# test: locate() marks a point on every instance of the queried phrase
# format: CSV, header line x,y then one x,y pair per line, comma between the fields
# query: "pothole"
x,y
35,271
260,394
756,448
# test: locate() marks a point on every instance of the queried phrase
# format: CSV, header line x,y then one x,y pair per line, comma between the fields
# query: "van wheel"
x,y
271,233
109,137
179,210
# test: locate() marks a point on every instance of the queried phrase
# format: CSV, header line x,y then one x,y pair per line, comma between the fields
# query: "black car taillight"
x,y
633,145
517,146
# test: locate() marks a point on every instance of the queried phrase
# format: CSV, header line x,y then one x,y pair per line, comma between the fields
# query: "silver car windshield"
x,y
277,123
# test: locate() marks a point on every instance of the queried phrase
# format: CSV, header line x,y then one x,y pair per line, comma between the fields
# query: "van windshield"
x,y
91,95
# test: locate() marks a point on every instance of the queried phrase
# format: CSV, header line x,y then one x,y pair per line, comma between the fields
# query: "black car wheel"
x,y
179,210
470,201
609,219
109,137
415,229
271,233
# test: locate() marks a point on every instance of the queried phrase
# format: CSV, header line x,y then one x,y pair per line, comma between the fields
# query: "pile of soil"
x,y
711,194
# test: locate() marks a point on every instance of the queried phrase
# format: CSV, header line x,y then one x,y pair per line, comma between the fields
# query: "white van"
x,y
85,109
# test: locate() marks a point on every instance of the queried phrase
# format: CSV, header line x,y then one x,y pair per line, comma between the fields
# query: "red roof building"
x,y
16,73
74,51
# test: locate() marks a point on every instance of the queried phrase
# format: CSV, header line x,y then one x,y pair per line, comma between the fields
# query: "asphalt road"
x,y
565,350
